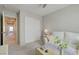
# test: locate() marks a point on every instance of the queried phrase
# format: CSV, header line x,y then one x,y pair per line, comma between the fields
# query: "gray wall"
x,y
66,19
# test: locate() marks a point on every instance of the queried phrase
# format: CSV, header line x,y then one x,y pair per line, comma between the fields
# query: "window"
x,y
11,28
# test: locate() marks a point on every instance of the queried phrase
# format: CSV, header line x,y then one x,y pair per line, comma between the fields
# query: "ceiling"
x,y
35,8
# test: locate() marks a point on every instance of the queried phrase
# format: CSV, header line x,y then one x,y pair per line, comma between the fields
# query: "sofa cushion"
x,y
72,38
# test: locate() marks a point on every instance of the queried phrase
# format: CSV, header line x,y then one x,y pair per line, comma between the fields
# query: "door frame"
x,y
1,30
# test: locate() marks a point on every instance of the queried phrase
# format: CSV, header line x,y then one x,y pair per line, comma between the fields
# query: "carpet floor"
x,y
28,49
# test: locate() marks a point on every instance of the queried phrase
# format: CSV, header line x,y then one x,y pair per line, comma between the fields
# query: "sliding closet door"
x,y
1,30
32,29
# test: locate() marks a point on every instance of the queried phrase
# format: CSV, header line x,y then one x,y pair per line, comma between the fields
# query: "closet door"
x,y
1,30
32,29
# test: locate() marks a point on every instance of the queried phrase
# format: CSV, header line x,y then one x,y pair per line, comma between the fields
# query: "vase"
x,y
61,51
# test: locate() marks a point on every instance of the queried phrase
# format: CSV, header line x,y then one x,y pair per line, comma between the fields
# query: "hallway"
x,y
10,28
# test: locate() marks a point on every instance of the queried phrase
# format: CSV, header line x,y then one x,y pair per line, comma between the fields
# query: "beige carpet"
x,y
4,50
28,49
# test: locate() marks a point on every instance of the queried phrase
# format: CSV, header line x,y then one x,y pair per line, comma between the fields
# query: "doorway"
x,y
10,28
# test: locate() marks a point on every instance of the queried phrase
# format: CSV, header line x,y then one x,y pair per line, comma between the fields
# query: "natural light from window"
x,y
11,28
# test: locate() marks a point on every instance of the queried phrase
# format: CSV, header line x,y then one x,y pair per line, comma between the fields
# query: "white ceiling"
x,y
35,8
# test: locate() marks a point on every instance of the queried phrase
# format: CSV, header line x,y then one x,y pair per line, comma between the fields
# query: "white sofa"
x,y
70,37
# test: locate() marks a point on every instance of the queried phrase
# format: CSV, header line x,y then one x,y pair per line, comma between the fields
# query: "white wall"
x,y
30,27
7,12
66,19
1,9
10,14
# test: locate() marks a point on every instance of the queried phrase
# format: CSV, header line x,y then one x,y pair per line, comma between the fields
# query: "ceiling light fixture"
x,y
43,5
